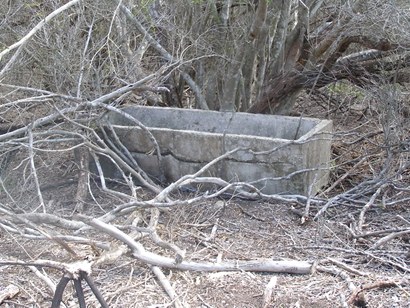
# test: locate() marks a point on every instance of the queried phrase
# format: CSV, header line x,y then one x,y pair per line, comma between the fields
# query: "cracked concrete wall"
x,y
189,139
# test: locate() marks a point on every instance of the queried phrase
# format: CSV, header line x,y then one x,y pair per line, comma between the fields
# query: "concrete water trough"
x,y
294,149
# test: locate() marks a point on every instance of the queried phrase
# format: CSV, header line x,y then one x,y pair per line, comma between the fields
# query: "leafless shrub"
x,y
56,84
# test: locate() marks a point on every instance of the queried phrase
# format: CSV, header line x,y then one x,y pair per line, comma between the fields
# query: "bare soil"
x,y
246,230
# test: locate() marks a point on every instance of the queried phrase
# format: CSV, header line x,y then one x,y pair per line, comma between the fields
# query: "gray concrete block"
x,y
188,139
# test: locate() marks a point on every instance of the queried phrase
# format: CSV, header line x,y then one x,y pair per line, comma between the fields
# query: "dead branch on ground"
x,y
95,138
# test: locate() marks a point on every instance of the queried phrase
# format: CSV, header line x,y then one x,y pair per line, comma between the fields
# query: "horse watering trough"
x,y
279,154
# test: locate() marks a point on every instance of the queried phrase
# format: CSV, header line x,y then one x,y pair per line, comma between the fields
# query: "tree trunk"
x,y
279,95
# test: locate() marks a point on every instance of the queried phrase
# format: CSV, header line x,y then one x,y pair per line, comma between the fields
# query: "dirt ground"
x,y
246,230
242,229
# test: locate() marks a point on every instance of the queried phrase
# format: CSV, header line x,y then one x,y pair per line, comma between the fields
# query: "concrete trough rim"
x,y
199,133
316,129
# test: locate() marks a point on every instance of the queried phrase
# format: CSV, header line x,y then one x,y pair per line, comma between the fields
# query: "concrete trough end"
x,y
278,146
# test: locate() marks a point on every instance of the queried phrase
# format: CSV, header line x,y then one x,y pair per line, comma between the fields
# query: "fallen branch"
x,y
379,232
166,285
344,276
8,293
139,252
186,179
388,238
72,268
367,207
358,299
50,284
347,267
45,218
34,171
180,254
267,294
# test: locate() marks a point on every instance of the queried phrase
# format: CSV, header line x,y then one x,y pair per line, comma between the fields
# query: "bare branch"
x,y
201,99
139,252
33,31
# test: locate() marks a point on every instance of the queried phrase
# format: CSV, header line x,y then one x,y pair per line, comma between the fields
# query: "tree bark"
x,y
279,95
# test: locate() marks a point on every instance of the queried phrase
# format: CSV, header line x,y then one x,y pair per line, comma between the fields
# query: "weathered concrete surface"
x,y
188,139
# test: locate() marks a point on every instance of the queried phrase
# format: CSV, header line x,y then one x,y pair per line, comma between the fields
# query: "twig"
x,y
250,214
180,254
34,170
403,219
378,232
361,189
84,54
43,277
341,274
83,178
367,206
40,263
38,27
166,285
387,261
340,179
305,216
328,204
267,294
187,178
45,218
212,236
203,302
44,93
139,173
47,235
109,216
38,123
347,267
388,238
